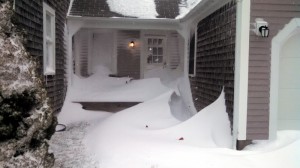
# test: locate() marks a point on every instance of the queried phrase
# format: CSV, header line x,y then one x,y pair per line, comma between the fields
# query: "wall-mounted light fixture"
x,y
261,28
264,31
131,44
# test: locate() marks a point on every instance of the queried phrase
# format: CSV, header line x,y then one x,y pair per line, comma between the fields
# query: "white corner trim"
x,y
241,70
277,42
195,53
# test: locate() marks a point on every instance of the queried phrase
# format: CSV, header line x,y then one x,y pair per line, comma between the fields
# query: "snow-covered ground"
x,y
149,136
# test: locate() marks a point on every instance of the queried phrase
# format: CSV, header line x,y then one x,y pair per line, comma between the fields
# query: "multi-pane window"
x,y
49,39
155,51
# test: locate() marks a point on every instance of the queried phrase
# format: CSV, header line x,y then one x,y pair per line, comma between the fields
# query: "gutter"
x,y
125,19
127,23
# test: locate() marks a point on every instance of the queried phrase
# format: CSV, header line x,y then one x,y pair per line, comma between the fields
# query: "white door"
x,y
289,85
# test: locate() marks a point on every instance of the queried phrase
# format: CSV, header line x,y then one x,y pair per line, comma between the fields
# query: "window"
x,y
155,51
192,56
49,39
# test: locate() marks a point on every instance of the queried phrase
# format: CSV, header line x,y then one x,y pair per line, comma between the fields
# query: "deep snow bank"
x,y
149,133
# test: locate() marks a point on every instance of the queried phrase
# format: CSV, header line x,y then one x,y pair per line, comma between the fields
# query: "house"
x,y
43,22
246,47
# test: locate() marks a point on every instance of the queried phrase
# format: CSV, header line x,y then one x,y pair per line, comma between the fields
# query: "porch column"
x,y
72,29
184,32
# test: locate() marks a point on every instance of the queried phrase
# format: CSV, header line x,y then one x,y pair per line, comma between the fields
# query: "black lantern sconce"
x,y
132,44
264,31
261,28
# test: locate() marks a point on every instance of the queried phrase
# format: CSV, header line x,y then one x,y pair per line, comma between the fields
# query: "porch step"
x,y
107,106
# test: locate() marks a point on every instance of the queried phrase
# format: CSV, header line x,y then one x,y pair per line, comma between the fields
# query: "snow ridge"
x,y
135,8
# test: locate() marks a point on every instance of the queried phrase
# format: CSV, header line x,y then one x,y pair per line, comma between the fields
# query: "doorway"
x,y
285,79
289,85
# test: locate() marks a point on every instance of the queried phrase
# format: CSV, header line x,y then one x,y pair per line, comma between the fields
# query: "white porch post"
x,y
184,32
241,71
186,91
72,29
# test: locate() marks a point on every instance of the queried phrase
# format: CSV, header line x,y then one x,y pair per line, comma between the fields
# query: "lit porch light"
x,y
132,44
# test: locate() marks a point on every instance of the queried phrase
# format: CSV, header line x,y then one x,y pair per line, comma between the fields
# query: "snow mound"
x,y
211,123
284,138
135,8
150,130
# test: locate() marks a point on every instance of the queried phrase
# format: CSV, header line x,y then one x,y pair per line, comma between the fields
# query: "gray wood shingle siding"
x,y
128,59
277,13
215,58
29,16
173,50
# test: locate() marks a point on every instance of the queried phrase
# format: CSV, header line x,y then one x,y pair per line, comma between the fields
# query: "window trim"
x,y
49,70
195,55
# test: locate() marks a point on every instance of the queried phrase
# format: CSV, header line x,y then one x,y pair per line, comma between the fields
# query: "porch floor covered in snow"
x,y
99,92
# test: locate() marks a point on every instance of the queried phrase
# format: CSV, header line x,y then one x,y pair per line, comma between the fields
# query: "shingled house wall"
x,y
215,58
29,16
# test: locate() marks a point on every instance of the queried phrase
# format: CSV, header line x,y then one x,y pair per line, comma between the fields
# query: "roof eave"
x,y
126,23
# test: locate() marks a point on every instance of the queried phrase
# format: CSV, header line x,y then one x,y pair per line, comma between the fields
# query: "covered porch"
x,y
125,50
127,53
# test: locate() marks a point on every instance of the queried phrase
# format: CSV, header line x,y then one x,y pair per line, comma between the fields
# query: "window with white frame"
x,y
49,39
155,50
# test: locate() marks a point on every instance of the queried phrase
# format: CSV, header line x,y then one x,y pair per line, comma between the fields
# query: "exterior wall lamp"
x,y
261,28
131,44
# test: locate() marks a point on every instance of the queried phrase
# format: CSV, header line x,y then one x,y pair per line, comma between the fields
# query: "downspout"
x,y
241,71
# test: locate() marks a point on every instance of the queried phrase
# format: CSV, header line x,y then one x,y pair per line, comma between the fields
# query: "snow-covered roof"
x,y
143,9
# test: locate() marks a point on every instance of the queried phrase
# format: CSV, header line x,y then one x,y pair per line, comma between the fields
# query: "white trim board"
x,y
277,42
241,71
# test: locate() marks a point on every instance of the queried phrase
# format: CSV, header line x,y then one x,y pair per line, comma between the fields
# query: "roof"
x,y
169,9
92,8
